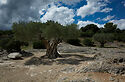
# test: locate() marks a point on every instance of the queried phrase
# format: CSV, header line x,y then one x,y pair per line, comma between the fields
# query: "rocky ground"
x,y
78,64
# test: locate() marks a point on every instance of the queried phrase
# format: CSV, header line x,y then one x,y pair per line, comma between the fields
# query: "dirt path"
x,y
64,69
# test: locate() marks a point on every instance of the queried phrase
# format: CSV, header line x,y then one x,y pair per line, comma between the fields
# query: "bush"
x,y
39,45
103,38
75,42
25,43
87,42
10,45
120,37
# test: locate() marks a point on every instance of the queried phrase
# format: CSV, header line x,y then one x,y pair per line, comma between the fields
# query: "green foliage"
x,y
103,38
92,27
27,31
87,34
75,42
51,30
88,42
120,37
39,45
24,43
10,45
89,30
70,32
57,31
109,28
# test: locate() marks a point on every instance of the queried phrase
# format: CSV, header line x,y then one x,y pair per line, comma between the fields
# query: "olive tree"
x,y
51,31
56,33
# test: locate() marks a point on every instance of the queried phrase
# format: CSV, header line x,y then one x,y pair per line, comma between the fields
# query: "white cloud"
x,y
106,10
3,1
92,7
62,15
108,18
120,23
123,3
84,23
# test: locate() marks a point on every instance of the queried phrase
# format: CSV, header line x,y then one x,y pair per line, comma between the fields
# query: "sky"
x,y
80,12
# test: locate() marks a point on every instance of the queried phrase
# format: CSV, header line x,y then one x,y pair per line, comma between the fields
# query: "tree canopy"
x,y
51,31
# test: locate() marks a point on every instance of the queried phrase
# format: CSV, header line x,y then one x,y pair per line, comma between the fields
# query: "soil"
x,y
69,68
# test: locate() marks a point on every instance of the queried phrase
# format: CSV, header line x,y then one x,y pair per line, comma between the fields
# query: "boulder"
x,y
14,55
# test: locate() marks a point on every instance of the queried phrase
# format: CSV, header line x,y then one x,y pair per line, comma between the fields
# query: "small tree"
x,y
52,32
103,38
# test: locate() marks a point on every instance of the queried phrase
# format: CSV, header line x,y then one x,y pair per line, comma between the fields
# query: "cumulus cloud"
x,y
92,7
84,23
26,10
120,23
108,18
62,15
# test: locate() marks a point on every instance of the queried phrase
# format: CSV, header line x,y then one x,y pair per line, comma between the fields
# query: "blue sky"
x,y
80,12
105,11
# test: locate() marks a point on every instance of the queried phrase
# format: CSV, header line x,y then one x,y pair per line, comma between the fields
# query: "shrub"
x,y
75,42
87,42
10,45
25,43
39,45
13,46
120,37
103,38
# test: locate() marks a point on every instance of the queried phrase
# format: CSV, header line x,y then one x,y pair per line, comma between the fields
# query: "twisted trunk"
x,y
52,49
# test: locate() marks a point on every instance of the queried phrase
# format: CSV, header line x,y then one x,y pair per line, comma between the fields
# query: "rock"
x,y
117,70
83,80
64,79
68,70
83,70
112,78
26,54
5,58
14,55
1,61
3,55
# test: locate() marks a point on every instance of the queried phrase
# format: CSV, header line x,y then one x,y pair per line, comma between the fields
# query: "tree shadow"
x,y
26,54
72,59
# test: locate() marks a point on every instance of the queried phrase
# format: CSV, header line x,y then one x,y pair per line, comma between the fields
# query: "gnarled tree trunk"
x,y
52,49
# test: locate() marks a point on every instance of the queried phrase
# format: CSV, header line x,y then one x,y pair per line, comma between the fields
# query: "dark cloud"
x,y
20,10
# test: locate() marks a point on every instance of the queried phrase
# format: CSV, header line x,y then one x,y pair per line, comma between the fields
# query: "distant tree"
x,y
52,32
91,27
103,38
120,36
89,30
27,32
110,28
